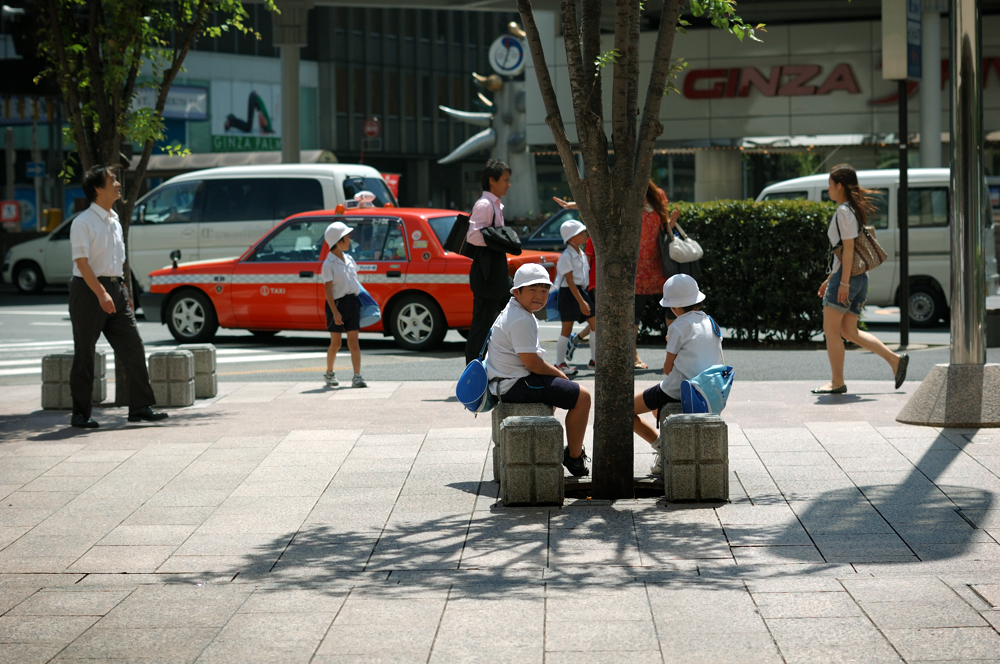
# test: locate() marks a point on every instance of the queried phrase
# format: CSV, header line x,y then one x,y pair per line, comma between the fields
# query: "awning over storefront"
x,y
166,166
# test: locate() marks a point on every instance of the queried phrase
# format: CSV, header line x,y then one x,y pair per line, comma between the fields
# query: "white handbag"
x,y
683,249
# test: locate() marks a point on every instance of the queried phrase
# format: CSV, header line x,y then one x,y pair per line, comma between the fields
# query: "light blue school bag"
x,y
552,306
708,391
370,313
473,387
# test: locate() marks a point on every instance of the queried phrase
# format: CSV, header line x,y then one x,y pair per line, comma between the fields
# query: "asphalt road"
x,y
33,326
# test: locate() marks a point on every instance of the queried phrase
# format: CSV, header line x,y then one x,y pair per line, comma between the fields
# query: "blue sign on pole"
x,y
36,169
913,28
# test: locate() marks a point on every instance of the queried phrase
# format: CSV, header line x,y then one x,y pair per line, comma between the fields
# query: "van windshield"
x,y
357,183
786,196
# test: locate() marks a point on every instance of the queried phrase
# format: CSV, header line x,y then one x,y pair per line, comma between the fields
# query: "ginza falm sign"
x,y
781,81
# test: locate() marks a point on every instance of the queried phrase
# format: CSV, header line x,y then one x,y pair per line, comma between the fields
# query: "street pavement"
x,y
284,522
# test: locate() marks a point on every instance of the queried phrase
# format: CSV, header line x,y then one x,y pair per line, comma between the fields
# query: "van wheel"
x,y
417,323
191,317
927,305
29,279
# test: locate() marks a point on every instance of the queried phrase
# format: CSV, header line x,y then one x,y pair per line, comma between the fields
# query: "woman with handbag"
x,y
649,277
844,292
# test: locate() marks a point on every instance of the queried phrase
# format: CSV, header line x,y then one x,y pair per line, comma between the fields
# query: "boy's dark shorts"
x,y
569,308
549,390
655,399
349,307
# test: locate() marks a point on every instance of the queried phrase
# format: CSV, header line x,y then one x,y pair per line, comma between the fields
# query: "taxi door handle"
x,y
394,273
305,274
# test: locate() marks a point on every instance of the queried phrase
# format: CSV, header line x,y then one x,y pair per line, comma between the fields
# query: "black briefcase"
x,y
456,238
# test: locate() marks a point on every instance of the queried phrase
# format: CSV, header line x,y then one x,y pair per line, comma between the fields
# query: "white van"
x,y
209,214
929,236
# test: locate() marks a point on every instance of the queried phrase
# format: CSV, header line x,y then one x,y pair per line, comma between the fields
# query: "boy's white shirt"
x,y
697,347
514,331
343,273
575,261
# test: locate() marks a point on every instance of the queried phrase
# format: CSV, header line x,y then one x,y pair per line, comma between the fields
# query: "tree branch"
x,y
592,10
624,105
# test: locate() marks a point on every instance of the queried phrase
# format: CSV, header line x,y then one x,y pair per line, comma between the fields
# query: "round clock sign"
x,y
507,55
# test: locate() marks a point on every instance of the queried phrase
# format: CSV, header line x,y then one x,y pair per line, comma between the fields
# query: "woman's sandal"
x,y
904,361
833,390
639,364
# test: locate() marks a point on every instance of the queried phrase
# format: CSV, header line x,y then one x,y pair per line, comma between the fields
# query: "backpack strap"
x,y
486,344
715,327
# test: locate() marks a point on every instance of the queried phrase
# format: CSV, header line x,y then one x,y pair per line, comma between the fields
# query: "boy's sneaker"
x,y
331,379
567,369
592,364
657,467
577,467
571,346
358,381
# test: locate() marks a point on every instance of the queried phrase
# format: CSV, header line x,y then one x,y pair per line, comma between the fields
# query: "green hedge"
x,y
762,266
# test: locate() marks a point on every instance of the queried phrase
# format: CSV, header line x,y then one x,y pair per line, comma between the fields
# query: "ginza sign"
x,y
782,81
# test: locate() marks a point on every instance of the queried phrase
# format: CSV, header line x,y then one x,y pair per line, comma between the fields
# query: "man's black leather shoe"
x,y
83,422
146,414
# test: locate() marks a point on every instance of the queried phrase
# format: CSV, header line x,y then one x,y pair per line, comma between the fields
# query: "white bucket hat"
x,y
530,275
681,290
571,228
335,232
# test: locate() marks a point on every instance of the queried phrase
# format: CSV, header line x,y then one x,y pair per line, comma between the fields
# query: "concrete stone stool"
x,y
171,374
531,471
505,410
206,381
696,458
55,380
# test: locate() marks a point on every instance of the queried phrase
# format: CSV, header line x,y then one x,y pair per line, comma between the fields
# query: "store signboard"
x,y
246,116
184,102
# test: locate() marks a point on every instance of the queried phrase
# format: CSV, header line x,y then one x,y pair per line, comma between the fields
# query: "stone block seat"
x,y
695,452
171,374
531,471
55,380
206,380
505,410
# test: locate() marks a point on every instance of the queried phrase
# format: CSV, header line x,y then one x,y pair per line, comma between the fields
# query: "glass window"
x,y
368,238
550,229
442,227
170,205
354,184
298,242
787,196
395,243
879,216
928,207
238,200
62,233
297,195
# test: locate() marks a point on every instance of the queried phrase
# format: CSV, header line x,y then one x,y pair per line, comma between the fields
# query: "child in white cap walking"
x,y
572,278
517,372
343,307
694,344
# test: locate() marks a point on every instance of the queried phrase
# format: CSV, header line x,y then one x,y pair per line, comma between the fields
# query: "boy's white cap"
x,y
529,275
335,232
571,228
681,290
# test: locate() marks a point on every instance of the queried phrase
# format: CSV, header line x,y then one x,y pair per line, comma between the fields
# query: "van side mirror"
x,y
142,214
175,256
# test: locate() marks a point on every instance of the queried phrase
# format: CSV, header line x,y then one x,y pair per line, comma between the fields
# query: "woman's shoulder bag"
x,y
868,253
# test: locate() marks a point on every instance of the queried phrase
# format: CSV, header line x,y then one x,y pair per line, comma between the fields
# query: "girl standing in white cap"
x,y
572,277
343,307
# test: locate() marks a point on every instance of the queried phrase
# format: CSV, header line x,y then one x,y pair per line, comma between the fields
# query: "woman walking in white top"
x,y
844,295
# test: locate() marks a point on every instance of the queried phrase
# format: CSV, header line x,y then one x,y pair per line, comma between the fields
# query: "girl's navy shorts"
x,y
349,307
569,308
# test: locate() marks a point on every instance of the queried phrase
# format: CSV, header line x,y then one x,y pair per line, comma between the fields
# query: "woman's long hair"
x,y
656,199
859,198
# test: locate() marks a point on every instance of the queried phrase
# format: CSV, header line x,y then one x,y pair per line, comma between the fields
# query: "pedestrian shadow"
x,y
915,520
54,425
842,399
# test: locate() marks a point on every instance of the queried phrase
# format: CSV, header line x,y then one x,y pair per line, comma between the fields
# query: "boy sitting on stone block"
x,y
694,344
517,372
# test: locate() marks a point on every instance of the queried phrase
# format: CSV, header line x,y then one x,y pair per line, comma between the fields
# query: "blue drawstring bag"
x,y
552,305
473,387
708,391
370,313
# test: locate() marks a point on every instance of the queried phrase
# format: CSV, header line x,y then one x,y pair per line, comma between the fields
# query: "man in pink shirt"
x,y
488,278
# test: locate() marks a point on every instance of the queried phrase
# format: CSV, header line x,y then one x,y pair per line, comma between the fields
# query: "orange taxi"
x,y
422,290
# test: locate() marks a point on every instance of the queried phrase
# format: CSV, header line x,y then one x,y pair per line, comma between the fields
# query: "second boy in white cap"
x,y
694,344
572,279
343,307
517,372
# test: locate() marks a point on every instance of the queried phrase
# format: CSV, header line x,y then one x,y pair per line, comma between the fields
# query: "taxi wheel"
x,y
417,323
191,317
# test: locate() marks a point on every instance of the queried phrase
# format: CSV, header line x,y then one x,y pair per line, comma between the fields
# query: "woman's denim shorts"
x,y
858,294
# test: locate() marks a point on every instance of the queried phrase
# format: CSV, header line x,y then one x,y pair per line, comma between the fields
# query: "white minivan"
x,y
929,236
208,214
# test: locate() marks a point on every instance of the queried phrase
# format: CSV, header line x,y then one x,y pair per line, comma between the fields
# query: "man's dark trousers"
x,y
119,328
490,283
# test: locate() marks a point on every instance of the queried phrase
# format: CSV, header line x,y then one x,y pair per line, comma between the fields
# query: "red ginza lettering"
x,y
786,81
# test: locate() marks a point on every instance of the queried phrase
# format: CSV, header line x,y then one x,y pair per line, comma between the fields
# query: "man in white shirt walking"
x,y
99,302
489,278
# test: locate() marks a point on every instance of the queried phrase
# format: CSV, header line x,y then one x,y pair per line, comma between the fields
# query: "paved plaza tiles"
x,y
283,522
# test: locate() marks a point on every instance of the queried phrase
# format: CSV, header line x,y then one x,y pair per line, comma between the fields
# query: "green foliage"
x,y
763,265
605,59
722,14
678,65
